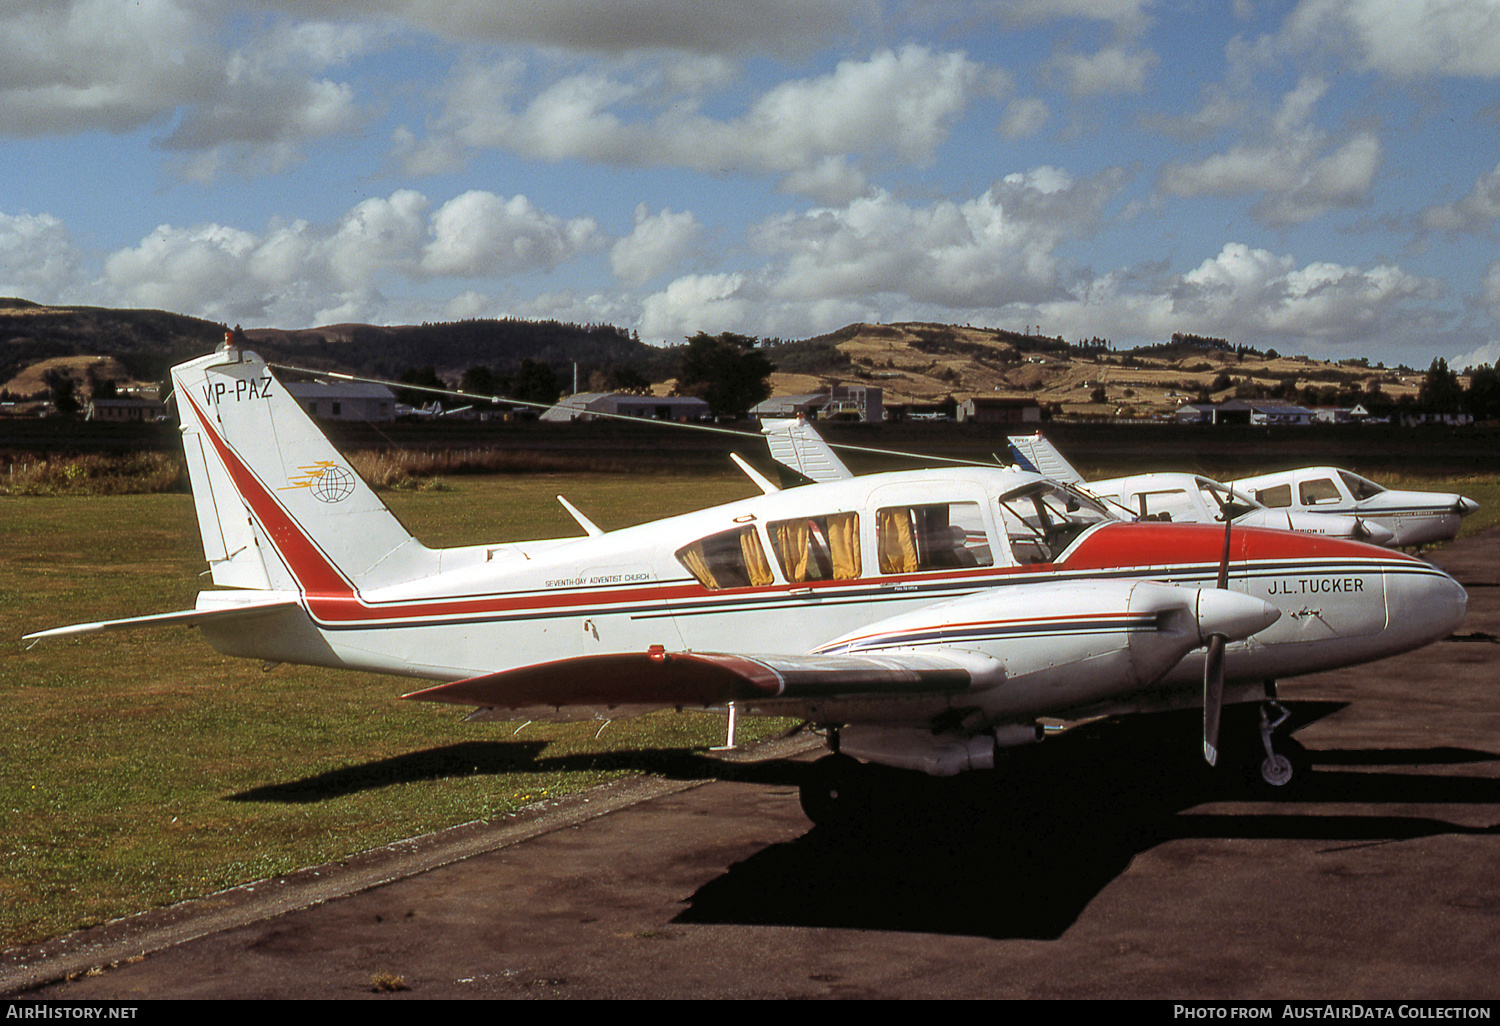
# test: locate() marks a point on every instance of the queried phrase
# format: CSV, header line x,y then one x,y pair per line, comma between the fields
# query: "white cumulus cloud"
x,y
1401,38
1476,212
896,105
480,234
1300,170
657,243
1113,70
37,258
297,273
1253,296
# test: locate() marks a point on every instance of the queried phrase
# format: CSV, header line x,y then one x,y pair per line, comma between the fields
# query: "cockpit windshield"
x,y
1221,497
1359,487
1042,518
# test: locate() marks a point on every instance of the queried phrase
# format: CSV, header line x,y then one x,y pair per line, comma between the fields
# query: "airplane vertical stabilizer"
x,y
1036,454
278,507
796,444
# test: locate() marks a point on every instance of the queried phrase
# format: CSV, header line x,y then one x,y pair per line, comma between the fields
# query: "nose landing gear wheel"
x,y
1282,773
1276,771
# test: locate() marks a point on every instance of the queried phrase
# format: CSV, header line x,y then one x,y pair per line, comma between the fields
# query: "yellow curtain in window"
x,y
755,558
692,558
843,545
898,549
791,537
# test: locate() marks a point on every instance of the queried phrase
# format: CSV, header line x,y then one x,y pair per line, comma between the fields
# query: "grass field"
x,y
142,768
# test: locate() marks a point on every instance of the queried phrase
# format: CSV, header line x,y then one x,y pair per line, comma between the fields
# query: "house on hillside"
x,y
587,406
345,401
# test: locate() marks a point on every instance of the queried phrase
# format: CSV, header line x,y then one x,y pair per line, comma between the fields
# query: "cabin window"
x,y
732,559
822,548
1166,506
941,536
1318,492
1277,497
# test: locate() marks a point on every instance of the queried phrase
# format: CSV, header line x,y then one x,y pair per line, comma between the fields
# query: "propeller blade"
x,y
1213,665
1224,559
1213,697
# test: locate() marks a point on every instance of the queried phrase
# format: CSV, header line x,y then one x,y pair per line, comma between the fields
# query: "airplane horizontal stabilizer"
x,y
685,679
181,618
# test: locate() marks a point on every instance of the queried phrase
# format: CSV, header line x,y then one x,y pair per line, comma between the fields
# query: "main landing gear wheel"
x,y
833,794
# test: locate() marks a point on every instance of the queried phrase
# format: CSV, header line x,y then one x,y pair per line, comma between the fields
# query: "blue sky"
x,y
1315,176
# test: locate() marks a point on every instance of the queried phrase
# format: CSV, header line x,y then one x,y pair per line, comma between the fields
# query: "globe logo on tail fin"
x,y
327,481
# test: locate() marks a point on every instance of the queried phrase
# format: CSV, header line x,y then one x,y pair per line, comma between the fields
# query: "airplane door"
x,y
629,613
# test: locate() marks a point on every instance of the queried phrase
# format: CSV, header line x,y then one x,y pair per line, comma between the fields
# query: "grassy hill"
x,y
912,362
920,362
144,344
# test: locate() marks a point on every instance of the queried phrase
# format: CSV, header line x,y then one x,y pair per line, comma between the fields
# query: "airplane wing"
x,y
1036,454
708,679
181,618
796,444
1081,642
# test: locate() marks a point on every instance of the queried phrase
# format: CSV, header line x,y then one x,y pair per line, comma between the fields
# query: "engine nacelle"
x,y
1075,643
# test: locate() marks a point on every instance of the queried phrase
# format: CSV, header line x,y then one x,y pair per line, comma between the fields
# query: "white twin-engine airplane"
x,y
923,619
1313,500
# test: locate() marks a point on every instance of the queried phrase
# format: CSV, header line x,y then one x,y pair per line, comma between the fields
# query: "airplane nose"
x,y
1422,609
1373,533
1232,615
1465,506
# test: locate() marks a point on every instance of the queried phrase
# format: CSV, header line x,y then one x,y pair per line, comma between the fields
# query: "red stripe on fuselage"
x,y
1114,546
332,598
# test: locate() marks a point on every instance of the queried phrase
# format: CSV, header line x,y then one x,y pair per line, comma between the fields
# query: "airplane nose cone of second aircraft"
x,y
1465,506
1232,615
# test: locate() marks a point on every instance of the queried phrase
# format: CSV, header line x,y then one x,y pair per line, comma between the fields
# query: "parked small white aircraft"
x,y
923,619
1413,518
1190,498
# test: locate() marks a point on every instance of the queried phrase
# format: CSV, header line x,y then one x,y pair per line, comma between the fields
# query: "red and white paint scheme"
x,y
923,618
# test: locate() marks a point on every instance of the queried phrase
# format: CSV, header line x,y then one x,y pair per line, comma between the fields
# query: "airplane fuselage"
x,y
1413,517
520,604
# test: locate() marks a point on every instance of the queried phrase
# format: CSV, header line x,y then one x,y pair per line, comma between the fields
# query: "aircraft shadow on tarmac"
x,y
1017,852
1020,852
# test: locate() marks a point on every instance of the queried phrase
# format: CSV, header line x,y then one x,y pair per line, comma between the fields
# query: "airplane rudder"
x,y
327,524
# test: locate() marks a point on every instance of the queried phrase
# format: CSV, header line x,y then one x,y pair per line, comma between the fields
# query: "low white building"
x,y
864,403
126,411
345,401
588,405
